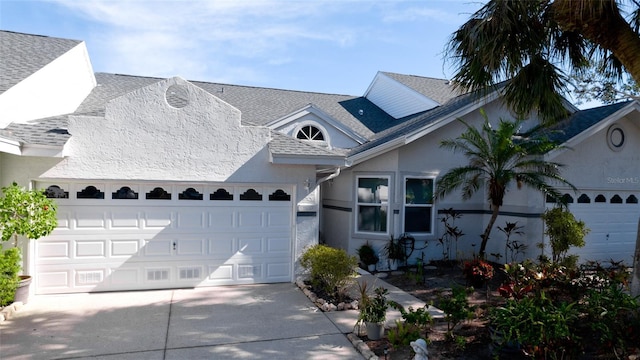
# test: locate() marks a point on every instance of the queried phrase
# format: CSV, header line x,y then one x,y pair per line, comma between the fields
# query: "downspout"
x,y
329,177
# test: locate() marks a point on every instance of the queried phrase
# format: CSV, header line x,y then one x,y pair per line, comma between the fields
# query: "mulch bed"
x,y
435,283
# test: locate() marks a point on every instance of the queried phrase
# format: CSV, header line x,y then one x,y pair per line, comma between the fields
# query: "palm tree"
x,y
497,158
526,42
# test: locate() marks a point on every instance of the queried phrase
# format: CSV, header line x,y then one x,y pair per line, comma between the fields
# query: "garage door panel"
x,y
90,249
251,246
222,219
191,247
221,273
112,244
158,247
278,219
88,219
278,245
157,219
191,220
250,219
222,245
124,247
125,219
54,281
53,250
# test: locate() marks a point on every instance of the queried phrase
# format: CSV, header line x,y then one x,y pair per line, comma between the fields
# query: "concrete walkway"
x,y
274,321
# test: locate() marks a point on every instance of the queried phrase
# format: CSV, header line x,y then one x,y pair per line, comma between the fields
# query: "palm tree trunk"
x,y
602,23
487,231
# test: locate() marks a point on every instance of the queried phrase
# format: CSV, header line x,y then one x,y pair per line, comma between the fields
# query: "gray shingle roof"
x,y
23,54
582,120
49,131
417,121
281,144
439,90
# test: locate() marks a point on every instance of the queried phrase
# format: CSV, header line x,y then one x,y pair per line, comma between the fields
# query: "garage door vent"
x,y
89,277
249,271
157,275
189,273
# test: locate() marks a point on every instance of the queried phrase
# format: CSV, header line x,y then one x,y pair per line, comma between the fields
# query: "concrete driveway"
x,y
274,321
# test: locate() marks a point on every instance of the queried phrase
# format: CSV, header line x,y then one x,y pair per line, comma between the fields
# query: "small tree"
x,y
27,213
564,231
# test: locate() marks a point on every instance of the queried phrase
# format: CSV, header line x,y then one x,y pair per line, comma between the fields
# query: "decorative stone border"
x,y
321,303
10,310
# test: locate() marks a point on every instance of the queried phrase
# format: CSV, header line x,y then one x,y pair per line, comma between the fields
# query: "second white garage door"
x,y
612,217
142,236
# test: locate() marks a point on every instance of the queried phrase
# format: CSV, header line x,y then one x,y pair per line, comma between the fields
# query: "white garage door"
x,y
142,236
613,219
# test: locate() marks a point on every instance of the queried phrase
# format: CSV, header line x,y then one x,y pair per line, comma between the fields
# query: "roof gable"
x,y
16,48
585,123
169,130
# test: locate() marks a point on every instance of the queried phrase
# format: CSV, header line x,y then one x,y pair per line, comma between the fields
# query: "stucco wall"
x,y
425,157
594,165
143,137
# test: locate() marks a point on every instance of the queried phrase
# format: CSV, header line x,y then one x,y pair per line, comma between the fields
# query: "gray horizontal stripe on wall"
x,y
489,212
307,213
339,208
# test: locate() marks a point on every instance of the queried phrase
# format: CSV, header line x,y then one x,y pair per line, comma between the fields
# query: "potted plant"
x,y
27,213
395,252
373,311
368,256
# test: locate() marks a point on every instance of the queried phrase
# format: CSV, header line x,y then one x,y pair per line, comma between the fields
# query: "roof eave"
x,y
289,159
10,146
43,150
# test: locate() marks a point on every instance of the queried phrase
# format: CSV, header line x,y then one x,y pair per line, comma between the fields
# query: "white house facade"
x,y
168,183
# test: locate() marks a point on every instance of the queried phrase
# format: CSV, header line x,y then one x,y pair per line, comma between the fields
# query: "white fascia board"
x,y
312,109
10,146
307,160
43,151
601,125
373,152
434,125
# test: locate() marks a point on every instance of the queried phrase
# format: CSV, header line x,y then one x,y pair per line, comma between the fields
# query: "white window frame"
x,y
405,205
325,135
386,203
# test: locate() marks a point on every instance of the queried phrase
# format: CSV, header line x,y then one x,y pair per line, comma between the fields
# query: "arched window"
x,y
632,199
616,199
310,132
584,199
601,199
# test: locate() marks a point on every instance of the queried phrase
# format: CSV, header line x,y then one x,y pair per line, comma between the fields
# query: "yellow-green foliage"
x,y
9,268
331,270
564,231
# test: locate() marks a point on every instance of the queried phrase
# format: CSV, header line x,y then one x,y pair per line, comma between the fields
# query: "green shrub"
x,y
612,315
331,270
420,317
456,309
9,268
564,231
403,334
544,329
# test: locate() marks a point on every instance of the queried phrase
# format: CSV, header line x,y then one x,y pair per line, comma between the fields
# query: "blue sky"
x,y
333,46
